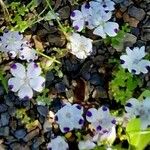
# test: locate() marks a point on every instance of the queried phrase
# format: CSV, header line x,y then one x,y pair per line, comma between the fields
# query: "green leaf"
x,y
3,81
137,138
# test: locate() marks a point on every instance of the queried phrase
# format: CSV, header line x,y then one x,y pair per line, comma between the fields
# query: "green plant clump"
x,y
123,85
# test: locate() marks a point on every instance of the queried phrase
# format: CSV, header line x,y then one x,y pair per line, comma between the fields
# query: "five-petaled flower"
x,y
101,120
79,45
134,62
26,80
70,117
13,43
139,109
57,144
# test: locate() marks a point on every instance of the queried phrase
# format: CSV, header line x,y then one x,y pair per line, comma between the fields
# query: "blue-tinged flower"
x,y
57,144
79,46
140,109
26,80
134,62
70,117
11,42
101,120
80,18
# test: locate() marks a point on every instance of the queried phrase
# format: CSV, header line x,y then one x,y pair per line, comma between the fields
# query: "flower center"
x,y
68,115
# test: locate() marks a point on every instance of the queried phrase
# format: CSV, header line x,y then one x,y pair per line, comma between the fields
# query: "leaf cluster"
x,y
122,85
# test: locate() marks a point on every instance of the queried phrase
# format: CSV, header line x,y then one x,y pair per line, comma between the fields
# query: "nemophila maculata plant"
x,y
28,76
123,85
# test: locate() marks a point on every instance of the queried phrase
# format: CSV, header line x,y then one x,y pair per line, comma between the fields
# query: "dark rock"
x,y
4,131
1,91
49,77
19,134
37,142
96,79
64,12
31,135
3,108
60,87
18,146
5,119
137,13
43,110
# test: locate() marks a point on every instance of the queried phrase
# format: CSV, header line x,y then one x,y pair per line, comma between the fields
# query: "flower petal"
x,y
15,84
33,70
78,25
76,15
91,115
111,28
37,83
100,31
25,92
18,70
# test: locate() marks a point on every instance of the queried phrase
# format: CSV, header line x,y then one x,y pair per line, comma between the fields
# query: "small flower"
x,y
70,117
80,17
139,109
80,45
57,144
86,145
100,119
103,27
25,81
134,62
11,41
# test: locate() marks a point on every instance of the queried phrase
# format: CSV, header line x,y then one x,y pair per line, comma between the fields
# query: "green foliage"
x,y
115,41
123,85
44,99
137,138
3,80
25,119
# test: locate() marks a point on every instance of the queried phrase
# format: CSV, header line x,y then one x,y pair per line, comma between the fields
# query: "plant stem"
x,y
60,25
50,58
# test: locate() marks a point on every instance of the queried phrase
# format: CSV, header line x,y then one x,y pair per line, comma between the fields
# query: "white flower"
x,y
80,17
57,144
134,62
80,46
26,80
70,117
100,119
86,145
140,109
11,42
103,27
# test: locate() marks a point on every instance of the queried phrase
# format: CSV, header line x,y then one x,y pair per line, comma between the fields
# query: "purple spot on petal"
x,y
0,39
10,87
49,148
106,11
105,131
21,48
81,121
89,114
86,23
104,108
13,66
104,5
129,105
116,30
122,61
43,84
26,98
73,14
30,60
113,121
133,71
6,46
76,27
22,56
35,65
66,129
87,5
79,107
56,118
98,128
